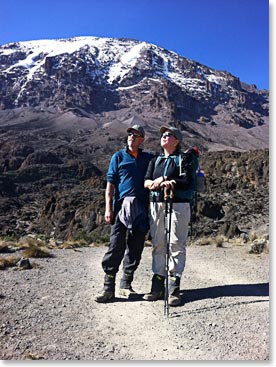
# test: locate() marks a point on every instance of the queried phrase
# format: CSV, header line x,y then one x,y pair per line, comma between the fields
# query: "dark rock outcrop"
x,y
59,189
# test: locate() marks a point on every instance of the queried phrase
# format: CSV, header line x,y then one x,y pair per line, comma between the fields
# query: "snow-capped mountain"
x,y
101,75
65,106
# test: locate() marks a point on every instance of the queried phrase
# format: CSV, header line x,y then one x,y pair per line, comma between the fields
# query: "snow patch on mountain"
x,y
106,74
117,57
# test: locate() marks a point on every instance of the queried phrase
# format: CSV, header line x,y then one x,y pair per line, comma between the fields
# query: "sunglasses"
x,y
167,135
136,135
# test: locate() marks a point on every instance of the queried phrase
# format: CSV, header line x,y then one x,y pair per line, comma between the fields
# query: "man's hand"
x,y
108,216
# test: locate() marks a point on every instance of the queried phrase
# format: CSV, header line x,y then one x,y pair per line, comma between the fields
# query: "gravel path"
x,y
49,312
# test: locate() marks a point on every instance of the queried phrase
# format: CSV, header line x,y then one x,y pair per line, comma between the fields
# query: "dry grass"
x,y
73,244
7,246
36,252
28,247
30,241
33,356
238,241
220,240
253,236
8,262
34,248
204,241
258,243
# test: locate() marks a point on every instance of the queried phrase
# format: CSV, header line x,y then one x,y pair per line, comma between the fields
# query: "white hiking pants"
x,y
179,232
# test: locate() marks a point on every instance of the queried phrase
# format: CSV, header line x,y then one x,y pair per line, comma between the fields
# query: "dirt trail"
x,y
49,312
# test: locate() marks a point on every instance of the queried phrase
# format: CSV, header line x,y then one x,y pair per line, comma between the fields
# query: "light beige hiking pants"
x,y
179,233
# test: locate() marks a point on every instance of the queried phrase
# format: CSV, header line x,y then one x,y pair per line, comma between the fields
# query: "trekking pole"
x,y
168,196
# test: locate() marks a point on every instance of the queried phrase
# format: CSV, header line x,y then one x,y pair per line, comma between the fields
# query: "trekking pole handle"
x,y
171,194
168,193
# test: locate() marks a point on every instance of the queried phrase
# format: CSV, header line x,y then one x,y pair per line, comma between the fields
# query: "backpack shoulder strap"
x,y
157,160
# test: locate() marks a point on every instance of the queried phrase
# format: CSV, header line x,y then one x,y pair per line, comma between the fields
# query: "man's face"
x,y
134,139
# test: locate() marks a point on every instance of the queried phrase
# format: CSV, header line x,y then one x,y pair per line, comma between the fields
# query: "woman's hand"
x,y
168,184
156,184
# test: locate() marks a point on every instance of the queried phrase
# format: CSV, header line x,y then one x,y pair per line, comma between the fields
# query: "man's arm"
x,y
109,194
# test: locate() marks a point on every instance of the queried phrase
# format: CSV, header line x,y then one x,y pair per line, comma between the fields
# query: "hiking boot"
x,y
174,291
108,293
128,293
153,296
109,282
126,280
157,289
105,296
174,300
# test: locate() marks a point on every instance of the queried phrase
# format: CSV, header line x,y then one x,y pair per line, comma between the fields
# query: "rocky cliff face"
x,y
52,181
64,109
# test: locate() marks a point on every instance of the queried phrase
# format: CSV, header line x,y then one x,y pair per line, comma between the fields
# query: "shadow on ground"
x,y
234,290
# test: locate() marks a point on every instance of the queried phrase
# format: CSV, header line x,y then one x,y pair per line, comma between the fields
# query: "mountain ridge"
x,y
62,116
103,75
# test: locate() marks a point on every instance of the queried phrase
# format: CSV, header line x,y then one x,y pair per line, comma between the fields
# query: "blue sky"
x,y
230,35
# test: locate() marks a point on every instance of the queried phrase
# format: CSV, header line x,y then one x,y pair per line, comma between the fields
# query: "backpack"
x,y
201,181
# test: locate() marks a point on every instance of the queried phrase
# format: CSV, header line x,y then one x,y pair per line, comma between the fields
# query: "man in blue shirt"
x,y
126,210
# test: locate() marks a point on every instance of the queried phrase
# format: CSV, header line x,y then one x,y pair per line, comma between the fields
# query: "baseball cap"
x,y
176,133
138,129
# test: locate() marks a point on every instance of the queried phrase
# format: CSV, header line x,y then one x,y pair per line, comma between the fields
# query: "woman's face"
x,y
168,140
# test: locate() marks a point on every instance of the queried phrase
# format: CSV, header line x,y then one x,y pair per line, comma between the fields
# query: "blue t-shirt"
x,y
127,174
